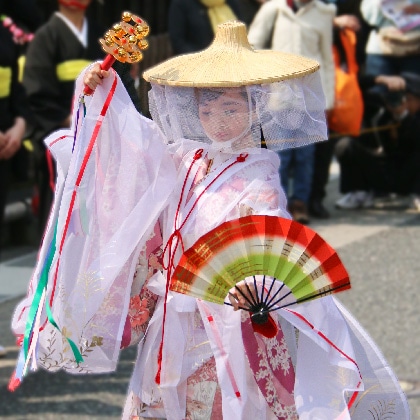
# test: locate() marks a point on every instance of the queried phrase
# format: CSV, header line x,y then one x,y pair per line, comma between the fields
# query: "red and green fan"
x,y
270,261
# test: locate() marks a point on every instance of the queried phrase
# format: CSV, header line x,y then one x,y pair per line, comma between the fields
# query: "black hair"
x,y
211,94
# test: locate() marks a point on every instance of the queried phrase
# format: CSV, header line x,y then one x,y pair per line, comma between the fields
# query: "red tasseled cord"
x,y
269,329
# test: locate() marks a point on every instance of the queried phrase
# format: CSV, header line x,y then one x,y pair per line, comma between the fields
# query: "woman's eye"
x,y
205,113
230,111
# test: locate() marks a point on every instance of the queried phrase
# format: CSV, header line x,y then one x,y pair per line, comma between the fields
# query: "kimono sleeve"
x,y
120,178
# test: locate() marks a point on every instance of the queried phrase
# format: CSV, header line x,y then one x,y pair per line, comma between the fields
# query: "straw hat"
x,y
228,62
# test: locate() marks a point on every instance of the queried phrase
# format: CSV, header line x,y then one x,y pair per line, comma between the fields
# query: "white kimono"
x,y
121,189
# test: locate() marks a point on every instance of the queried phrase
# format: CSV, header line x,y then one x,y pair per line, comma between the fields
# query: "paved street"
x,y
380,248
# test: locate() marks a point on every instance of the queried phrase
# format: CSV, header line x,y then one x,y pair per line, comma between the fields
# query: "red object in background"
x,y
73,3
347,115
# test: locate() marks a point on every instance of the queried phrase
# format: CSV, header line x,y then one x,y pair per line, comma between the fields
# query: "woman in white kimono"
x,y
131,199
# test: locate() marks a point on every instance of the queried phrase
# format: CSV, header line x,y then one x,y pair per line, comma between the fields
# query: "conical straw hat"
x,y
228,62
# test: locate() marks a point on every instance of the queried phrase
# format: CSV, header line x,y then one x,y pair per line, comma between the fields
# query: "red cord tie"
x,y
171,252
171,247
242,157
198,154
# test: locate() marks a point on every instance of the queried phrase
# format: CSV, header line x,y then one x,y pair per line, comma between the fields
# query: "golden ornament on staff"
x,y
124,42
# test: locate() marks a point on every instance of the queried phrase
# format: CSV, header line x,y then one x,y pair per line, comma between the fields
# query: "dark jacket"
x,y
13,102
189,25
50,95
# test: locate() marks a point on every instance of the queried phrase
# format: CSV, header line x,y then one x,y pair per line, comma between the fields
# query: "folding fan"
x,y
272,263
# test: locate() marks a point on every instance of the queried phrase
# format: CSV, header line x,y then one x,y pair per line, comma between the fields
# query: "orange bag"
x,y
346,116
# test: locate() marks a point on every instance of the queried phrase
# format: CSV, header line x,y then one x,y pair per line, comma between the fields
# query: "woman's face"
x,y
224,113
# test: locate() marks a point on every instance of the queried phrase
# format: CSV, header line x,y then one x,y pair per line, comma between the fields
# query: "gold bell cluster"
x,y
126,39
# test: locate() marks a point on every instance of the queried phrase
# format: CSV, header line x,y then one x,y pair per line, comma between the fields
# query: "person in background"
x,y
300,27
387,160
371,79
249,9
406,158
347,18
192,23
363,159
14,109
393,45
379,77
61,48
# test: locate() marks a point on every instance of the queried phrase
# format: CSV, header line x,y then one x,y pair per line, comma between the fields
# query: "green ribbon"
x,y
42,285
76,352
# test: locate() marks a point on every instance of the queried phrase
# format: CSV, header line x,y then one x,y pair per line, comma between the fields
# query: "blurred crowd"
x,y
43,48
368,50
